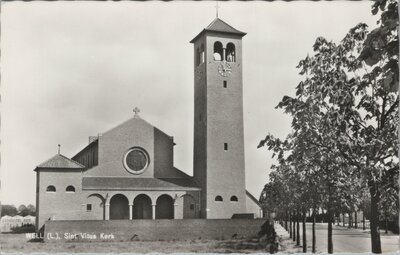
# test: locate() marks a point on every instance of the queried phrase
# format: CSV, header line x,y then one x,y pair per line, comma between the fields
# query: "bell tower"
x,y
218,120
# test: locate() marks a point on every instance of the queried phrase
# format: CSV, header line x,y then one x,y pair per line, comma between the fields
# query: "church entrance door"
x,y
119,207
189,207
165,207
142,207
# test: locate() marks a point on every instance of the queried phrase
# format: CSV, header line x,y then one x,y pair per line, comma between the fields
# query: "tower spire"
x,y
59,148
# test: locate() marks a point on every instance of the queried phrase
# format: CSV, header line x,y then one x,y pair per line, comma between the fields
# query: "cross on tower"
x,y
216,8
136,111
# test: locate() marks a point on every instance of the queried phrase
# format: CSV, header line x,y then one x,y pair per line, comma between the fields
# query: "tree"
x,y
9,210
317,167
346,110
31,209
23,210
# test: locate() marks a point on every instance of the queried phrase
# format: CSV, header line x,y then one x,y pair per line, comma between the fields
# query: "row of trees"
x,y
22,210
342,151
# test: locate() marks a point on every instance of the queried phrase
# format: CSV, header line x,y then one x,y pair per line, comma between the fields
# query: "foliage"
x,y
344,126
22,210
28,228
32,209
9,210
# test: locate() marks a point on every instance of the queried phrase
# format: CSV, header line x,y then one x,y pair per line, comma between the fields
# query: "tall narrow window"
x,y
218,51
226,146
202,55
225,84
230,52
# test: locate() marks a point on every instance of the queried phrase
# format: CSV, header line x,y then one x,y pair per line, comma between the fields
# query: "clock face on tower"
x,y
224,69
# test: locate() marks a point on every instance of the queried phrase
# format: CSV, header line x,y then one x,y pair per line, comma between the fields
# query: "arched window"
x,y
218,51
202,56
70,188
218,199
230,53
51,188
234,199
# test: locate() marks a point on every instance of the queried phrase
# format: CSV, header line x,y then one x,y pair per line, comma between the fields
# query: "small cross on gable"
x,y
136,111
216,8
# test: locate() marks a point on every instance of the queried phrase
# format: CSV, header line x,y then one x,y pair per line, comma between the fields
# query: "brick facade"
x,y
106,187
218,125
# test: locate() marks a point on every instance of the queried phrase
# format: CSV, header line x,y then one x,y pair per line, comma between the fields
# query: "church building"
x,y
128,171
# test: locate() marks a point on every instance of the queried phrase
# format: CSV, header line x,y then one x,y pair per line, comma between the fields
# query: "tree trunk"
x,y
386,226
355,220
298,229
294,227
343,220
330,242
286,219
374,221
290,225
313,233
363,220
304,234
350,220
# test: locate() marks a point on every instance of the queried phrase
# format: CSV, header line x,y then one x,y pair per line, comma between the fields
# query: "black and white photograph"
x,y
199,127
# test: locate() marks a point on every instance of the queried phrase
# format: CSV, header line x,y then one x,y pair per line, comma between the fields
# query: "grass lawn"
x,y
19,243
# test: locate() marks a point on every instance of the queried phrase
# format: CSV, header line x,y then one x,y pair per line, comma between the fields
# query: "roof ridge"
x,y
52,163
126,121
218,19
253,198
212,22
71,160
220,26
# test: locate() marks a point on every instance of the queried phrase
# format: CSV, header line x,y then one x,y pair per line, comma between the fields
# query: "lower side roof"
x,y
129,183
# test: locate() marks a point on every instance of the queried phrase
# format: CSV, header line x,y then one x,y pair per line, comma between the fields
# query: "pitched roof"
x,y
60,161
118,183
221,26
253,198
218,25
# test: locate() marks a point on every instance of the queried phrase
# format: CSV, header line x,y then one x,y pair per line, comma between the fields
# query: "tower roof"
x,y
60,161
220,26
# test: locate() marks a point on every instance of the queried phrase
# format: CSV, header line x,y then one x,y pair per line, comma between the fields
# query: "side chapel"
x,y
128,171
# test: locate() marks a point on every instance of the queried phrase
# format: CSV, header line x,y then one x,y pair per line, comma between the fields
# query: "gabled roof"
x,y
60,161
220,26
136,119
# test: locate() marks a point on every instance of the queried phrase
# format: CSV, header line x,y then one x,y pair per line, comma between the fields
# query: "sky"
x,y
70,70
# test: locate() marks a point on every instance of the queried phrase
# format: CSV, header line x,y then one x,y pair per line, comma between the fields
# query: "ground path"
x,y
344,240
